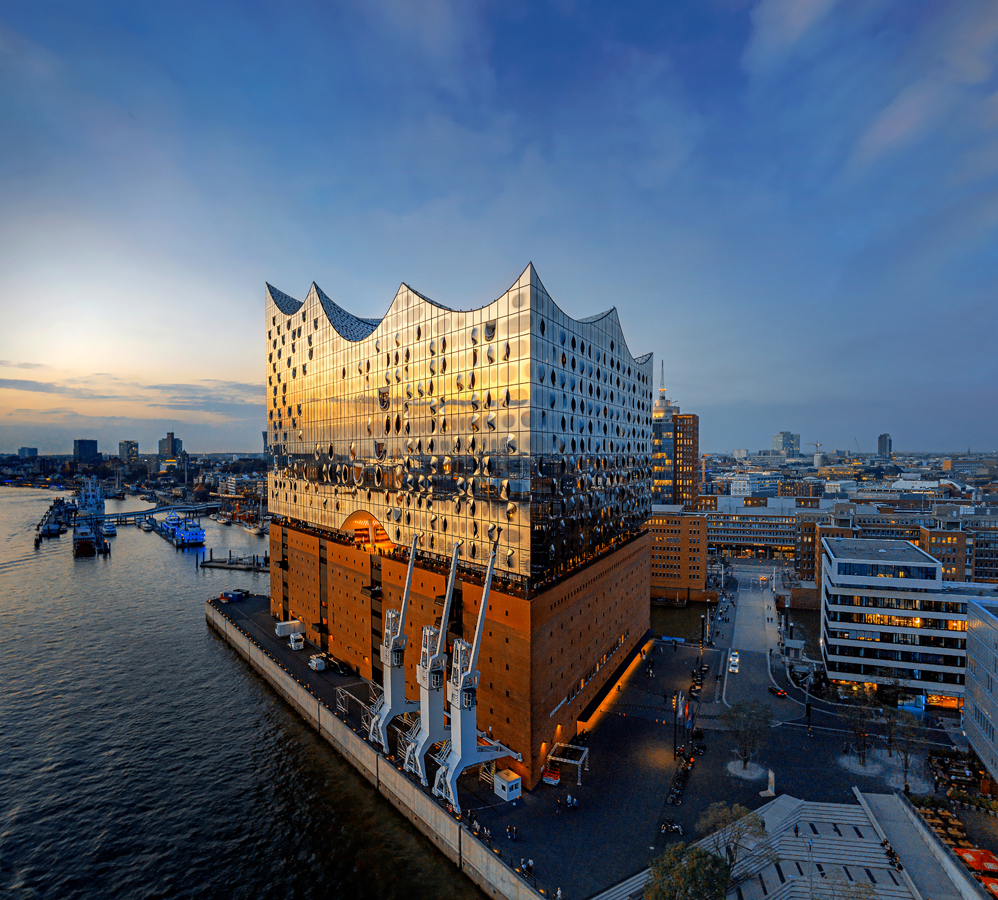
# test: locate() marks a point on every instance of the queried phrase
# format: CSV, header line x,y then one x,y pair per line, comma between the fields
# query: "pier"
x,y
251,563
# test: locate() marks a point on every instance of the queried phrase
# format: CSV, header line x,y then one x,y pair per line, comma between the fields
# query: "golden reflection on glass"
x,y
514,415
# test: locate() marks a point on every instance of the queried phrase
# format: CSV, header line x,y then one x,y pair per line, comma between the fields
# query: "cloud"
x,y
778,27
6,363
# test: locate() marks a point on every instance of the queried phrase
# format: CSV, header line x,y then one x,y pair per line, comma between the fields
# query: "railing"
x,y
947,851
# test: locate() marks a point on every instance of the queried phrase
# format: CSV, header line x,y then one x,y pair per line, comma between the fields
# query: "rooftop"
x,y
877,550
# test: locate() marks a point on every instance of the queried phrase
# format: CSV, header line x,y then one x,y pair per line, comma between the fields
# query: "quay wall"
x,y
458,844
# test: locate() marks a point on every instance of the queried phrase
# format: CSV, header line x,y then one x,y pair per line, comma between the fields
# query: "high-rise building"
x,y
85,451
128,451
170,446
786,443
27,452
884,446
687,467
511,426
663,446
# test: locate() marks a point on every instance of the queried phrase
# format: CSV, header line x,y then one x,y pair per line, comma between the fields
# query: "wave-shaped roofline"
x,y
355,328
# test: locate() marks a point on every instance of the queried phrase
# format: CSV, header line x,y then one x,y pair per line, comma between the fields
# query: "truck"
x,y
297,642
286,629
317,662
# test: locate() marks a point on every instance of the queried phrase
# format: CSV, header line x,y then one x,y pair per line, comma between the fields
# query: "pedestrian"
x,y
569,801
509,833
575,803
530,867
558,810
796,831
523,864
514,833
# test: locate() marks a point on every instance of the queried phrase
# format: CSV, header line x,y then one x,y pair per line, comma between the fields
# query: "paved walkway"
x,y
920,864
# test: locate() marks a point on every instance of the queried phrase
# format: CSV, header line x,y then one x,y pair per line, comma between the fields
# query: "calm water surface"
x,y
140,757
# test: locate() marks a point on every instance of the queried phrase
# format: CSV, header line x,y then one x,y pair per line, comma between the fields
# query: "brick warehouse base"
x,y
544,656
453,839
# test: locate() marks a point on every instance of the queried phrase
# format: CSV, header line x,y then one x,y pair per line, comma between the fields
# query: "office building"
x,y
27,452
128,451
85,451
687,468
755,484
511,425
170,446
980,713
787,444
884,446
678,553
663,446
887,614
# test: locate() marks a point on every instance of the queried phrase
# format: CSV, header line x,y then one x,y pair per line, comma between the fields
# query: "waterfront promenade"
x,y
614,833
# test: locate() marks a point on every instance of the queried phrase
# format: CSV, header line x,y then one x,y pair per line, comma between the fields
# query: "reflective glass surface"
x,y
457,424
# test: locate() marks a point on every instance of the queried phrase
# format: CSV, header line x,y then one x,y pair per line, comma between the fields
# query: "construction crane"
x,y
858,450
430,676
467,746
813,444
392,702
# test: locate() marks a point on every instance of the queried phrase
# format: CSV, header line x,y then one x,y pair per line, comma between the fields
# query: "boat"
x,y
188,534
108,529
84,542
171,523
146,524
252,528
91,500
50,529
223,519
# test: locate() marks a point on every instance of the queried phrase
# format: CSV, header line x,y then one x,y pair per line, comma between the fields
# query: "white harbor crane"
x,y
467,746
392,702
430,674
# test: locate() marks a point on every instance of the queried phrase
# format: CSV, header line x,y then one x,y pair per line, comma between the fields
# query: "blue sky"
x,y
794,203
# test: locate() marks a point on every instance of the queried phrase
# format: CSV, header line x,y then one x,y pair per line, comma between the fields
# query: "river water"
x,y
140,757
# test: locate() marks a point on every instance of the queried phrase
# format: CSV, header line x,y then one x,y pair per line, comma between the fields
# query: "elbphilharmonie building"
x,y
508,422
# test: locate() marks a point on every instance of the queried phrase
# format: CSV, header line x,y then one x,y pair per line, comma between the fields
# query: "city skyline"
x,y
790,201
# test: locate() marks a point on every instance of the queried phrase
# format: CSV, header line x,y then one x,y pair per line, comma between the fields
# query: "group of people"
x,y
511,832
570,803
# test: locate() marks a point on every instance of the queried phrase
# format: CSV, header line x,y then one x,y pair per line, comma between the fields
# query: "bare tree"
x,y
907,742
731,831
836,887
859,717
748,722
891,692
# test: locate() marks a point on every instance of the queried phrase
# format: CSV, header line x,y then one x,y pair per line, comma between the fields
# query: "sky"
x,y
793,203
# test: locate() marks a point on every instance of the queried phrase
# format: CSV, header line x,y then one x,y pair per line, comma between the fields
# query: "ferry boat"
x,y
188,534
91,500
50,529
84,541
108,529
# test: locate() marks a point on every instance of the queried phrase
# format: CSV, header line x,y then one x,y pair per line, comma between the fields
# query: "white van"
x,y
297,642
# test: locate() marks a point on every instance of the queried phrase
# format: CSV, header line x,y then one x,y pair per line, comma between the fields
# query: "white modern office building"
x,y
887,614
980,712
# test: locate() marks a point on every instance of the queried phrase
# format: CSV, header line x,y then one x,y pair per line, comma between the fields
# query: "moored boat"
x,y
108,529
84,541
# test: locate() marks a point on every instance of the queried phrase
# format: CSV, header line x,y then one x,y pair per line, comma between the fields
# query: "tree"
x,y
835,887
687,873
890,693
730,831
858,717
748,722
907,741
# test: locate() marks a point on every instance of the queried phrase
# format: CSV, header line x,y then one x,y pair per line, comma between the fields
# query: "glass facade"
x,y
457,424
